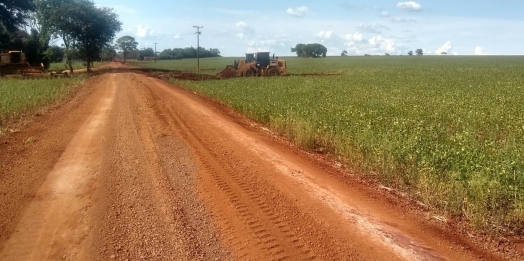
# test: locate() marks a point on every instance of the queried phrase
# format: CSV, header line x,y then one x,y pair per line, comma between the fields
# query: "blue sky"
x,y
360,27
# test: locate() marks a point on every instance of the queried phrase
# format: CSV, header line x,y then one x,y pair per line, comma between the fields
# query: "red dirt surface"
x,y
133,168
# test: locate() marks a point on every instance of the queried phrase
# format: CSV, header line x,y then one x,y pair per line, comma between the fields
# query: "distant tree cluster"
x,y
310,50
188,52
419,52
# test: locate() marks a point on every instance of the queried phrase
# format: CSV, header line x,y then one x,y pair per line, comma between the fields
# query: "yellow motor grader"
x,y
14,62
255,64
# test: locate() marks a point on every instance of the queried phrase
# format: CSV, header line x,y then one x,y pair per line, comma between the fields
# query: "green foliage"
x,y
97,30
146,52
84,27
13,14
310,50
30,43
108,53
65,66
419,52
447,130
126,44
55,54
188,52
18,96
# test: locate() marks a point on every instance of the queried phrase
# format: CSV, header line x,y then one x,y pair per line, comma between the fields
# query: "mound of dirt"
x,y
228,72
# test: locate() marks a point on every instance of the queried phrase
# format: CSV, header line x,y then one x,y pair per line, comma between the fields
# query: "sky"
x,y
457,27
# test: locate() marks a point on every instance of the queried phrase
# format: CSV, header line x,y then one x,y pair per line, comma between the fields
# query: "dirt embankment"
x,y
133,168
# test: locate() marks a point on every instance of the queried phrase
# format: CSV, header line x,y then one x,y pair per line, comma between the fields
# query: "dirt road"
x,y
133,168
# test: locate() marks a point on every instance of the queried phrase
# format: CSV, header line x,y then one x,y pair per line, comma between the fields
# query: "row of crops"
x,y
21,96
447,130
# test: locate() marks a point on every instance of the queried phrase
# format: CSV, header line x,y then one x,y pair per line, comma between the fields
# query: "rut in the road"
x,y
257,222
150,207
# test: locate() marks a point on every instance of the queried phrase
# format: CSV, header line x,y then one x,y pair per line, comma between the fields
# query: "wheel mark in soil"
x,y
255,223
237,191
56,222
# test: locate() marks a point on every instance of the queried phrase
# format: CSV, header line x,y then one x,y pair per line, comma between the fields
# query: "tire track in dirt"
x,y
247,180
254,227
56,222
144,212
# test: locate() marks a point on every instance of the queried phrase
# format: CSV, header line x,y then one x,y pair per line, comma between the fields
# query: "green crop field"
x,y
21,96
449,130
207,65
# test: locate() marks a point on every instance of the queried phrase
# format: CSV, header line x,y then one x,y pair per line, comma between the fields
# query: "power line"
x,y
198,33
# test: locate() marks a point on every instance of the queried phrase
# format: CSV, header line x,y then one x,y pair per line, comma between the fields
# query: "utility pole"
x,y
198,45
155,51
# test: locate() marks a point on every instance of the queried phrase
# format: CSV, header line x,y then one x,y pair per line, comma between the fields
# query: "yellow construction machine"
x,y
255,64
14,62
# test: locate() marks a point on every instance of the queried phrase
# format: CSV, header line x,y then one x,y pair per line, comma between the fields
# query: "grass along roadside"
x,y
76,66
23,96
450,132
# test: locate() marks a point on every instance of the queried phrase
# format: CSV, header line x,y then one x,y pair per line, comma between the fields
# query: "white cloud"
x,y
298,12
480,51
402,20
384,14
372,28
444,48
409,6
379,44
177,36
455,53
324,34
240,25
244,30
143,31
355,37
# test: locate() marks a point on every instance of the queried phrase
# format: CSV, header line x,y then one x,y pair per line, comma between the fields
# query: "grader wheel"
x,y
272,72
250,73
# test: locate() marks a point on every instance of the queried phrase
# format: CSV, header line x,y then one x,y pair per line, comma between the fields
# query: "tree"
x,y
310,50
126,44
419,52
84,28
55,54
149,52
387,54
97,30
188,52
108,53
444,53
57,18
13,14
344,53
410,53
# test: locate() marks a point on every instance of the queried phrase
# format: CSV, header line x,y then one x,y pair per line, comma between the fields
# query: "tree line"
x,y
188,52
310,50
419,52
128,46
87,30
